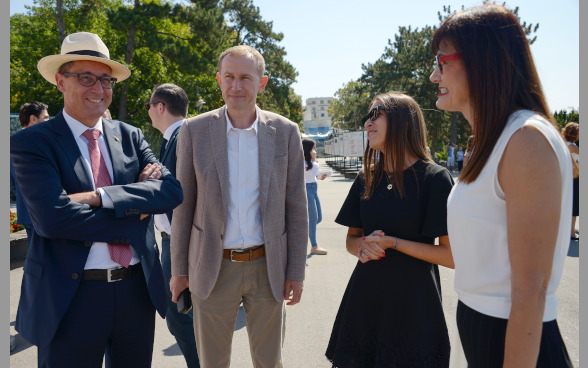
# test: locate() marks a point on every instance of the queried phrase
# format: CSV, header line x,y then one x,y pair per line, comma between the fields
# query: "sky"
x,y
327,41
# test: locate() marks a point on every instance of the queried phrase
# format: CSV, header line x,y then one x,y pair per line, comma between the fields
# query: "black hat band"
x,y
89,53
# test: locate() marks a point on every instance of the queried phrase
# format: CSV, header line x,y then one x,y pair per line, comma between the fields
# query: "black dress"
x,y
391,313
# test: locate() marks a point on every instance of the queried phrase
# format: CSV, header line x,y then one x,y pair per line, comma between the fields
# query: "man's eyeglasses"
x,y
374,113
89,79
439,60
148,104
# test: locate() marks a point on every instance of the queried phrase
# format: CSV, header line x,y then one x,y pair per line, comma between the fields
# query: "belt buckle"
x,y
241,252
109,275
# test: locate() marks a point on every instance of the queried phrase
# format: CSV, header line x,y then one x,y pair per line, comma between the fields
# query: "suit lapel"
x,y
113,139
66,141
170,144
217,128
266,139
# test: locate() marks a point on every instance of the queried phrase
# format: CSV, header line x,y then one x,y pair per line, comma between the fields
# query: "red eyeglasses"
x,y
439,60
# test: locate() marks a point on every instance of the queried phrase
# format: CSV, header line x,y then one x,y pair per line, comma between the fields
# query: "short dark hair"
x,y
28,109
174,98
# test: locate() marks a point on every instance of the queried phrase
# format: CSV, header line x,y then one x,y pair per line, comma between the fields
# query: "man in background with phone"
x,y
167,109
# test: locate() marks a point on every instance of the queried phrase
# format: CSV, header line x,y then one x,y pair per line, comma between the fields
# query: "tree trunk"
x,y
124,91
60,23
453,130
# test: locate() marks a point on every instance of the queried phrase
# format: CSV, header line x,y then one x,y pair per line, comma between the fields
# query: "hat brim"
x,y
49,65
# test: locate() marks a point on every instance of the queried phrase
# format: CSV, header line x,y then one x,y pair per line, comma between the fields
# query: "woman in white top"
x,y
311,170
571,133
508,215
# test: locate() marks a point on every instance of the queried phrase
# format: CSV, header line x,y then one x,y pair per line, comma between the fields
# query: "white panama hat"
x,y
81,46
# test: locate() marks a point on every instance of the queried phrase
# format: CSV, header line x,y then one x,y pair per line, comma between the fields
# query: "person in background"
x,y
167,108
508,215
469,148
311,170
450,156
460,155
391,313
571,134
30,114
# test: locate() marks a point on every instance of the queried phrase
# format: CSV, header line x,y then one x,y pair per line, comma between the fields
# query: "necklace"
x,y
389,186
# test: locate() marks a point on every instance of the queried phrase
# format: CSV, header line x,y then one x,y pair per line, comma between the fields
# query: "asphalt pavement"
x,y
308,324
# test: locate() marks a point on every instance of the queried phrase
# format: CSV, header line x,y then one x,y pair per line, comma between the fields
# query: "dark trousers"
x,y
116,320
482,338
180,325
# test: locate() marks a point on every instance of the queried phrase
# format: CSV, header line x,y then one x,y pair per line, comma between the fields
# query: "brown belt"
x,y
244,255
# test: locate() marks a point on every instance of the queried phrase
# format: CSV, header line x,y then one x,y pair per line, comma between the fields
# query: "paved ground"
x,y
309,323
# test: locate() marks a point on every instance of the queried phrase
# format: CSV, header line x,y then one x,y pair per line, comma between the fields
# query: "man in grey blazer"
x,y
241,232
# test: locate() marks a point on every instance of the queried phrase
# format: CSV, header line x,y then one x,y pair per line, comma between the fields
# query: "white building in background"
x,y
316,115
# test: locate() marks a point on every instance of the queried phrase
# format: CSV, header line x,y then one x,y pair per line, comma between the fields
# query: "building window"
x,y
322,115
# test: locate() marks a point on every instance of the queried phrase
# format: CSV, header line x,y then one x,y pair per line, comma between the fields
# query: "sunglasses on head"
x,y
439,60
374,113
149,103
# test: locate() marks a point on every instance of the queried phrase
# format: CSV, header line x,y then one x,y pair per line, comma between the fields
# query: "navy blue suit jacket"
x,y
169,159
49,166
22,214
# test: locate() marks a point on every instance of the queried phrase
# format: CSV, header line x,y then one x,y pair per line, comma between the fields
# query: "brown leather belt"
x,y
244,255
116,274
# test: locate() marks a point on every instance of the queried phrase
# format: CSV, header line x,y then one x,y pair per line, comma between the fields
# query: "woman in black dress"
x,y
391,313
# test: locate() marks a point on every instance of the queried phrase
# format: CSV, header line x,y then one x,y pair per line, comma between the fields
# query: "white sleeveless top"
x,y
476,223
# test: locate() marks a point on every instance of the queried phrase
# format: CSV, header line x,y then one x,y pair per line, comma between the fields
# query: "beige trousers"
x,y
215,317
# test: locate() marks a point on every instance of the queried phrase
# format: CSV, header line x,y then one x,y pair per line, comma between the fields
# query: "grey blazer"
x,y
199,222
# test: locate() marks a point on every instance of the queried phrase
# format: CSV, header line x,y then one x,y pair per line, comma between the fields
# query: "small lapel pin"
x,y
116,139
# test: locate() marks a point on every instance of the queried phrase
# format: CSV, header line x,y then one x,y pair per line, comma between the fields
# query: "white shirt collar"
x,y
171,129
253,126
77,128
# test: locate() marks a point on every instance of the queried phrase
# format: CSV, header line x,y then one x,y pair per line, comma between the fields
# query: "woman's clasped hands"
x,y
373,246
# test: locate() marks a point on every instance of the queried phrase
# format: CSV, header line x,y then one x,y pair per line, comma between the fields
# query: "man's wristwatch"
x,y
99,197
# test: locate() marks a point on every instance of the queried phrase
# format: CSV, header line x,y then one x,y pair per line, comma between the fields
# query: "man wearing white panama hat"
x,y
91,185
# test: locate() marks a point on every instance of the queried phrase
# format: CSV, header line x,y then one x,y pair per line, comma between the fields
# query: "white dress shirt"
x,y
161,221
99,257
244,226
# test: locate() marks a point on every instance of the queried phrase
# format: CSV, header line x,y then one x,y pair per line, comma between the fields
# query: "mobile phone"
x,y
185,302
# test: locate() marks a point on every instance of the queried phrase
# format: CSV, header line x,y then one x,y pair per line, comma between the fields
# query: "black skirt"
x,y
483,336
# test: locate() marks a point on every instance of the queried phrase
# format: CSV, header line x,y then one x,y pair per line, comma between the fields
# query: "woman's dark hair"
x,y
571,132
307,145
406,133
501,74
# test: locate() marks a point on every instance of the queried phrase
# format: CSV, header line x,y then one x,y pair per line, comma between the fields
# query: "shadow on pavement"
x,y
16,263
574,249
172,350
21,344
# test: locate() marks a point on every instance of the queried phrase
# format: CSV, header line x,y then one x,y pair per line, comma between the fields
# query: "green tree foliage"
x,y
405,65
160,42
350,105
563,117
248,28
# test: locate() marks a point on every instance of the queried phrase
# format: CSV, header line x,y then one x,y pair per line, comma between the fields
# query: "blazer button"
x,y
88,244
74,276
221,236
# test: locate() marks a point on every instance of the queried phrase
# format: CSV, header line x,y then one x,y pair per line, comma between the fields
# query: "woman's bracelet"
x,y
395,242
